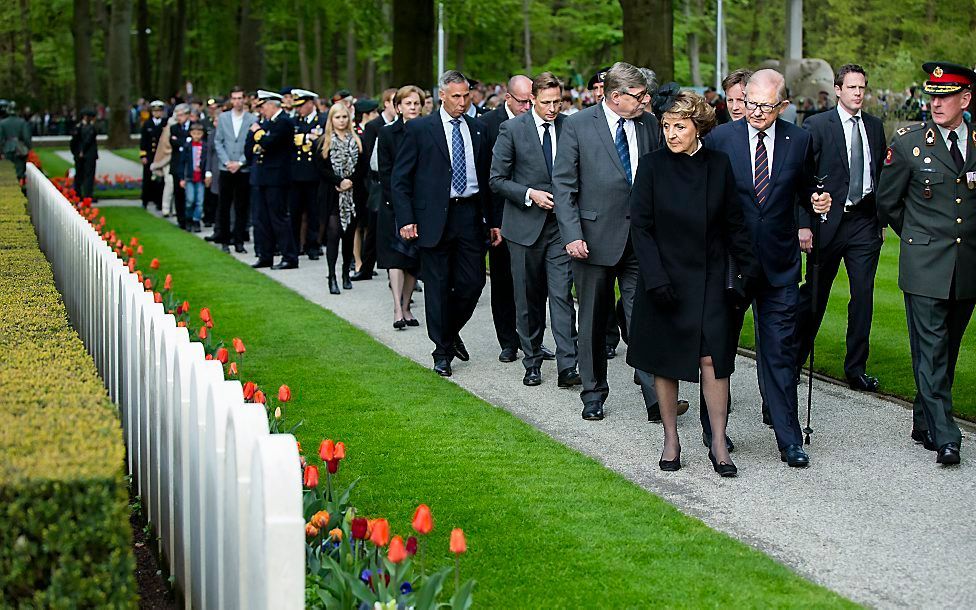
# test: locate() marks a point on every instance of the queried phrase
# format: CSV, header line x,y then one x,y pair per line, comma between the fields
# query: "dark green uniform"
x,y
931,205
15,142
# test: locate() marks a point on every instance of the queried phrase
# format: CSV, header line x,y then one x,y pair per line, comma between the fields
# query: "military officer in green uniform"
x,y
15,139
927,194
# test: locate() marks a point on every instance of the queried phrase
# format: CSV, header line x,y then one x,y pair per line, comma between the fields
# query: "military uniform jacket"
x,y
932,208
274,150
149,138
307,132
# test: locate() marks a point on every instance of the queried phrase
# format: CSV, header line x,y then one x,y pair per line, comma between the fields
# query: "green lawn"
x,y
547,527
53,165
890,358
132,154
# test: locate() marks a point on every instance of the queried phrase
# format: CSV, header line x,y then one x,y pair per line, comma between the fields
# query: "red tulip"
x,y
423,521
458,543
147,283
359,527
284,393
186,306
333,466
249,389
311,477
139,250
232,370
202,333
157,297
327,450
222,355
380,535
340,451
397,552
132,242
259,397
239,346
205,314
131,265
208,357
168,282
154,264
412,546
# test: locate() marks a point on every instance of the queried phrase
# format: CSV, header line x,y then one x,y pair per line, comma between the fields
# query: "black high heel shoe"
x,y
413,322
400,324
671,465
722,468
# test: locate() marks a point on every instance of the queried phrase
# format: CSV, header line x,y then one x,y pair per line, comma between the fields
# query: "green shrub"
x,y
65,540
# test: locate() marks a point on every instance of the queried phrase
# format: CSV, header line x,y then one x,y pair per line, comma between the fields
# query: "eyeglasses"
x,y
763,108
518,101
637,96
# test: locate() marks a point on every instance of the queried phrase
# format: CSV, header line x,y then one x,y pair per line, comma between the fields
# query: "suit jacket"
x,y
274,147
84,141
179,135
228,146
421,181
929,205
830,153
773,226
493,122
185,170
590,187
388,140
518,164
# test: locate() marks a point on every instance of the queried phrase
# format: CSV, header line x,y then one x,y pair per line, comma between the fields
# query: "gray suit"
x,y
228,146
592,195
540,264
234,187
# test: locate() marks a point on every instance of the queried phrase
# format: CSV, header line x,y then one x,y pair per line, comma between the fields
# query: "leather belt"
x,y
455,200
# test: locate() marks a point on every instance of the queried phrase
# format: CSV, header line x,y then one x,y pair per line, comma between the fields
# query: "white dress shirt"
x,y
963,141
630,130
236,120
540,131
472,186
374,157
769,141
847,121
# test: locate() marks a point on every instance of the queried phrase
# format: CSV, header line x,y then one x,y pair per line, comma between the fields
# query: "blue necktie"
x,y
459,172
623,150
762,170
547,147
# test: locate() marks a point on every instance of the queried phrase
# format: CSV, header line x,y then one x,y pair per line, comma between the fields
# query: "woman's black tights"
x,y
333,235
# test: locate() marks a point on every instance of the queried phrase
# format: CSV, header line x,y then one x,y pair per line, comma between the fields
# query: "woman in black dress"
x,y
338,165
685,223
392,252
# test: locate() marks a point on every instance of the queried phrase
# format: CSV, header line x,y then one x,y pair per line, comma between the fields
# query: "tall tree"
x,y
250,55
648,27
84,75
120,73
303,72
142,48
413,42
351,58
30,73
317,62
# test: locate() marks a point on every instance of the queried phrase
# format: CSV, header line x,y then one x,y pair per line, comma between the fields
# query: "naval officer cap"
x,y
947,78
265,95
157,104
300,96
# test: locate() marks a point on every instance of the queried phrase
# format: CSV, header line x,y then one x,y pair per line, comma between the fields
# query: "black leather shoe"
x,y
533,376
508,354
225,248
460,351
261,264
593,410
333,286
948,454
923,437
547,354
654,413
795,456
724,469
286,265
239,248
442,368
864,383
611,353
346,283
671,465
707,441
569,378
211,238
360,276
312,256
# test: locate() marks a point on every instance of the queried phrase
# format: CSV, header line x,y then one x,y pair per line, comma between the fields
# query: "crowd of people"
x,y
646,190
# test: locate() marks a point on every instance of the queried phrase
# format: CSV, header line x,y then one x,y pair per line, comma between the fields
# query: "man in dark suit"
x,y
152,190
848,145
84,148
927,194
774,172
274,149
517,102
599,149
179,136
369,161
441,197
303,198
521,172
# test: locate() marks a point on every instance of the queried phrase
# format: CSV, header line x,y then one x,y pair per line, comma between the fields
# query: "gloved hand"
x,y
664,296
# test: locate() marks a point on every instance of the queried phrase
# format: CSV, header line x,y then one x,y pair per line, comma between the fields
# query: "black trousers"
x,y
502,296
272,229
235,194
152,190
303,199
84,177
210,205
454,276
368,222
179,201
858,244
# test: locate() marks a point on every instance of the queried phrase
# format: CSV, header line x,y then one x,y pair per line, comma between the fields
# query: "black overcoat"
x,y
684,221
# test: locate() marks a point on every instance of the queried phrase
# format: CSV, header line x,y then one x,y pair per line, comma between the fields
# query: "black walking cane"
x,y
813,261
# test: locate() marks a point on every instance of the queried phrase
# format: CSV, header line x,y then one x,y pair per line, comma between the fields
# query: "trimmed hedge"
x,y
65,539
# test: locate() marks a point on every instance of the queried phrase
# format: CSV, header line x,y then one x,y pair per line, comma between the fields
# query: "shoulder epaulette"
x,y
910,128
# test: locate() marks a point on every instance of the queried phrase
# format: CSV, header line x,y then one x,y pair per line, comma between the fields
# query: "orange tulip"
x,y
202,333
397,552
320,519
131,265
458,543
239,346
154,264
205,314
249,389
259,397
311,531
340,451
186,306
208,357
139,250
311,477
336,534
139,276
327,450
168,283
132,242
157,297
423,521
232,369
222,355
147,283
380,535
181,324
284,393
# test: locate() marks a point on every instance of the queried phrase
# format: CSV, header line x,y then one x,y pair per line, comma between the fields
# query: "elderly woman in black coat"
x,y
685,224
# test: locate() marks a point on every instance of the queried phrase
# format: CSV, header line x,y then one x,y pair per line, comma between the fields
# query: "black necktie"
x,y
954,151
547,147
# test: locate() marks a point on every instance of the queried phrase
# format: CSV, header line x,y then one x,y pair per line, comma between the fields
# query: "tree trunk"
x,y
370,86
317,62
459,52
303,72
120,71
334,62
172,67
84,76
142,50
527,35
694,60
648,27
250,64
413,42
30,73
351,59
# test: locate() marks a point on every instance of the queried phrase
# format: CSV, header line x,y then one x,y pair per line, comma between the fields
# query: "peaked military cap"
x,y
947,78
598,77
264,95
300,96
157,104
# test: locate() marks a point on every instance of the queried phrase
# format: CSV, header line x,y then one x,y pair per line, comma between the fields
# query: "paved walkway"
x,y
109,163
873,518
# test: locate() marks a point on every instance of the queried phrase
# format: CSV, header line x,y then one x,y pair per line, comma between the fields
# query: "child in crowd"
x,y
195,177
